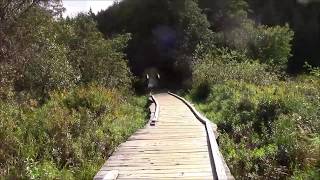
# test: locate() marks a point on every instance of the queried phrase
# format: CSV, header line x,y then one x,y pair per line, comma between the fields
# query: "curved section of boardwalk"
x,y
175,148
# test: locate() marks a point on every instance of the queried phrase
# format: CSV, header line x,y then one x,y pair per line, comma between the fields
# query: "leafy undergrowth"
x,y
69,136
269,131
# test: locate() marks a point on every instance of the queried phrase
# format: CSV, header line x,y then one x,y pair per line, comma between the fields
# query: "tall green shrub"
x,y
272,45
49,69
69,136
193,29
42,63
95,58
222,65
267,131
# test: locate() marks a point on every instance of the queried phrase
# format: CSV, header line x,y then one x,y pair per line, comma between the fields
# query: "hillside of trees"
x,y
69,86
159,29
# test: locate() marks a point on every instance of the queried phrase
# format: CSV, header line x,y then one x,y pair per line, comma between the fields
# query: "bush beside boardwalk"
x,y
69,136
269,128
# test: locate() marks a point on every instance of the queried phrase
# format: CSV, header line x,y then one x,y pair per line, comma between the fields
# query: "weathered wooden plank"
x,y
169,130
155,163
166,137
138,175
161,143
163,169
176,155
169,136
160,148
165,140
168,178
107,175
161,151
194,160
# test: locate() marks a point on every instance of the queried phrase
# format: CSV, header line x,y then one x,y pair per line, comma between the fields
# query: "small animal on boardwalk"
x,y
152,79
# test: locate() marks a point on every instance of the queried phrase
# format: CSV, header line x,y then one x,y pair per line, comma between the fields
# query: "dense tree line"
x,y
65,93
169,34
303,16
164,33
229,20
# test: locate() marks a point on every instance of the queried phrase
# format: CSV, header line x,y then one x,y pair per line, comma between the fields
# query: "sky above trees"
x,y
73,7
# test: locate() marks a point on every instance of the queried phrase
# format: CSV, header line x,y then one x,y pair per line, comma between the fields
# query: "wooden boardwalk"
x,y
176,147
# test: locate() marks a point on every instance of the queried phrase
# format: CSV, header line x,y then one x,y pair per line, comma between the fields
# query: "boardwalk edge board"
x,y
107,175
220,170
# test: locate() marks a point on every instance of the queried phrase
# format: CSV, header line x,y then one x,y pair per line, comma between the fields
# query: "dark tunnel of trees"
x,y
157,30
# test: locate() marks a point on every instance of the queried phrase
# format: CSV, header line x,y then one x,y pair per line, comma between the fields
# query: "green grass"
x,y
266,131
67,137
